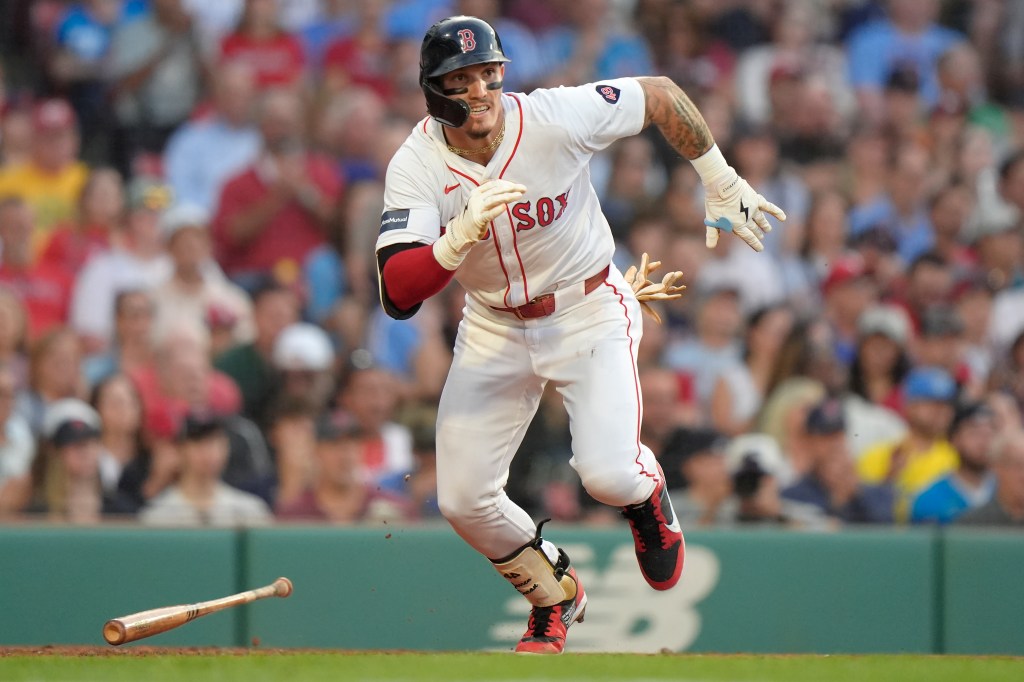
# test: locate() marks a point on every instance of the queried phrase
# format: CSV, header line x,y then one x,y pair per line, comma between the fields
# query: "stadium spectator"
x,y
277,214
120,411
369,395
759,472
907,37
902,208
362,58
155,72
924,454
250,365
740,388
51,180
831,483
200,497
17,450
949,210
824,235
43,289
941,343
100,211
68,488
418,486
136,261
13,336
971,433
196,284
180,380
797,39
668,406
15,135
587,45
881,360
303,357
54,373
339,493
702,494
76,63
929,284
847,291
204,153
714,347
133,338
1006,508
275,55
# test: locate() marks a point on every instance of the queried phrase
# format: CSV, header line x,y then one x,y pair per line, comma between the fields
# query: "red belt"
x,y
544,305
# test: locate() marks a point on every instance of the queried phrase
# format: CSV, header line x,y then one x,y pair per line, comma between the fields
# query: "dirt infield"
x,y
85,651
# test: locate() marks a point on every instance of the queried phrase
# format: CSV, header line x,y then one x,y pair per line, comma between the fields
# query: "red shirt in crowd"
x,y
289,236
45,292
277,61
360,66
162,415
69,248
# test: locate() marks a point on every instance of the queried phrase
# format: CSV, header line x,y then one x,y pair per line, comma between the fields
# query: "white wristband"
x,y
711,166
446,255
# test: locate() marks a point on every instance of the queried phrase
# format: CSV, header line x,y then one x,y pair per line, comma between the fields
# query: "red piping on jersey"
x,y
494,234
636,381
508,212
425,124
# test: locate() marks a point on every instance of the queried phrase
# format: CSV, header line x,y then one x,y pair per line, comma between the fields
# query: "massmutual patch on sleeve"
x,y
394,220
610,93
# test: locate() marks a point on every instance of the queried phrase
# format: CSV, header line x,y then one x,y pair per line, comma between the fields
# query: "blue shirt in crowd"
x,y
948,498
81,34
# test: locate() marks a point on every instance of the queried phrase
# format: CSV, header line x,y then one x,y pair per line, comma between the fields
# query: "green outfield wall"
x,y
422,588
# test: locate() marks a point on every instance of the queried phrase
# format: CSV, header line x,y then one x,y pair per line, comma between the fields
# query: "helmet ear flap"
x,y
450,112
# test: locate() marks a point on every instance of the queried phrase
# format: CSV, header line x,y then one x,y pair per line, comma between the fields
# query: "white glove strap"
x,y
447,255
711,166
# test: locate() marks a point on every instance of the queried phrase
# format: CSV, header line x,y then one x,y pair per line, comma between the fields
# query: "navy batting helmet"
x,y
451,44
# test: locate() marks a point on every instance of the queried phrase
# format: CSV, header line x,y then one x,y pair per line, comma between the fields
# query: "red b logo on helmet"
x,y
467,40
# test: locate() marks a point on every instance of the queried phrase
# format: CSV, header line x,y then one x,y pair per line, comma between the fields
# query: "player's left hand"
x,y
646,290
732,205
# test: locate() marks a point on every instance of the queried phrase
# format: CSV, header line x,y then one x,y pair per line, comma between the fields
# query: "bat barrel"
x,y
114,632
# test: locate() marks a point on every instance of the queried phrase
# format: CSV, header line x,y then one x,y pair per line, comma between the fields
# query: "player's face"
x,y
484,105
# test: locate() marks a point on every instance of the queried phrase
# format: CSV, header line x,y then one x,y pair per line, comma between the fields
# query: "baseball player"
x,y
494,189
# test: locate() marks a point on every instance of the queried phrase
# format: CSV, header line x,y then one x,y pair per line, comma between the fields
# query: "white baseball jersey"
x,y
551,240
556,234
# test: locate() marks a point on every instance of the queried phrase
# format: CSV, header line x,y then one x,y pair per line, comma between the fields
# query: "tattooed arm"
x,y
730,204
676,116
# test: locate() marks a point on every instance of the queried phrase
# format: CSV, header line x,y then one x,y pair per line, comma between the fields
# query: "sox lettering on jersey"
x,y
547,211
467,40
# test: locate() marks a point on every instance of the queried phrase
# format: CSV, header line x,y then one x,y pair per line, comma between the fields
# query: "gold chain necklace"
x,y
483,150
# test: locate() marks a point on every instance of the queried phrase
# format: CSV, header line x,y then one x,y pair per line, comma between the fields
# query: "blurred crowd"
x,y
190,193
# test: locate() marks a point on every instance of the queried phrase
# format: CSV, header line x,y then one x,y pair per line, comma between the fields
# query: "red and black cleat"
x,y
545,633
657,538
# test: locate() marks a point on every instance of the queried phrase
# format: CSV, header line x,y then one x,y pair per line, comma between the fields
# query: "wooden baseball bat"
x,y
153,622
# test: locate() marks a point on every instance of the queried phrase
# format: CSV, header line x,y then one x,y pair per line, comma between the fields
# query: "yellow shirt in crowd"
x,y
921,469
53,196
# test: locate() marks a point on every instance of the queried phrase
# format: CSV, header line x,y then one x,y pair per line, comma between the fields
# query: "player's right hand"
x,y
732,205
486,202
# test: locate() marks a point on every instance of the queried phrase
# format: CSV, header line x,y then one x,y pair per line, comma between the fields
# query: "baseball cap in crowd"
x,y
148,192
929,383
826,418
941,320
200,425
53,115
303,347
968,412
887,320
70,420
759,447
180,216
844,269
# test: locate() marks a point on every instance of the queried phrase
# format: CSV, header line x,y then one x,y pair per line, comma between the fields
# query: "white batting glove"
x,y
486,202
730,204
646,290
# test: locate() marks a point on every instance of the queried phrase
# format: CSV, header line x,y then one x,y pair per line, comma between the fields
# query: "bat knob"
x,y
283,587
114,632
